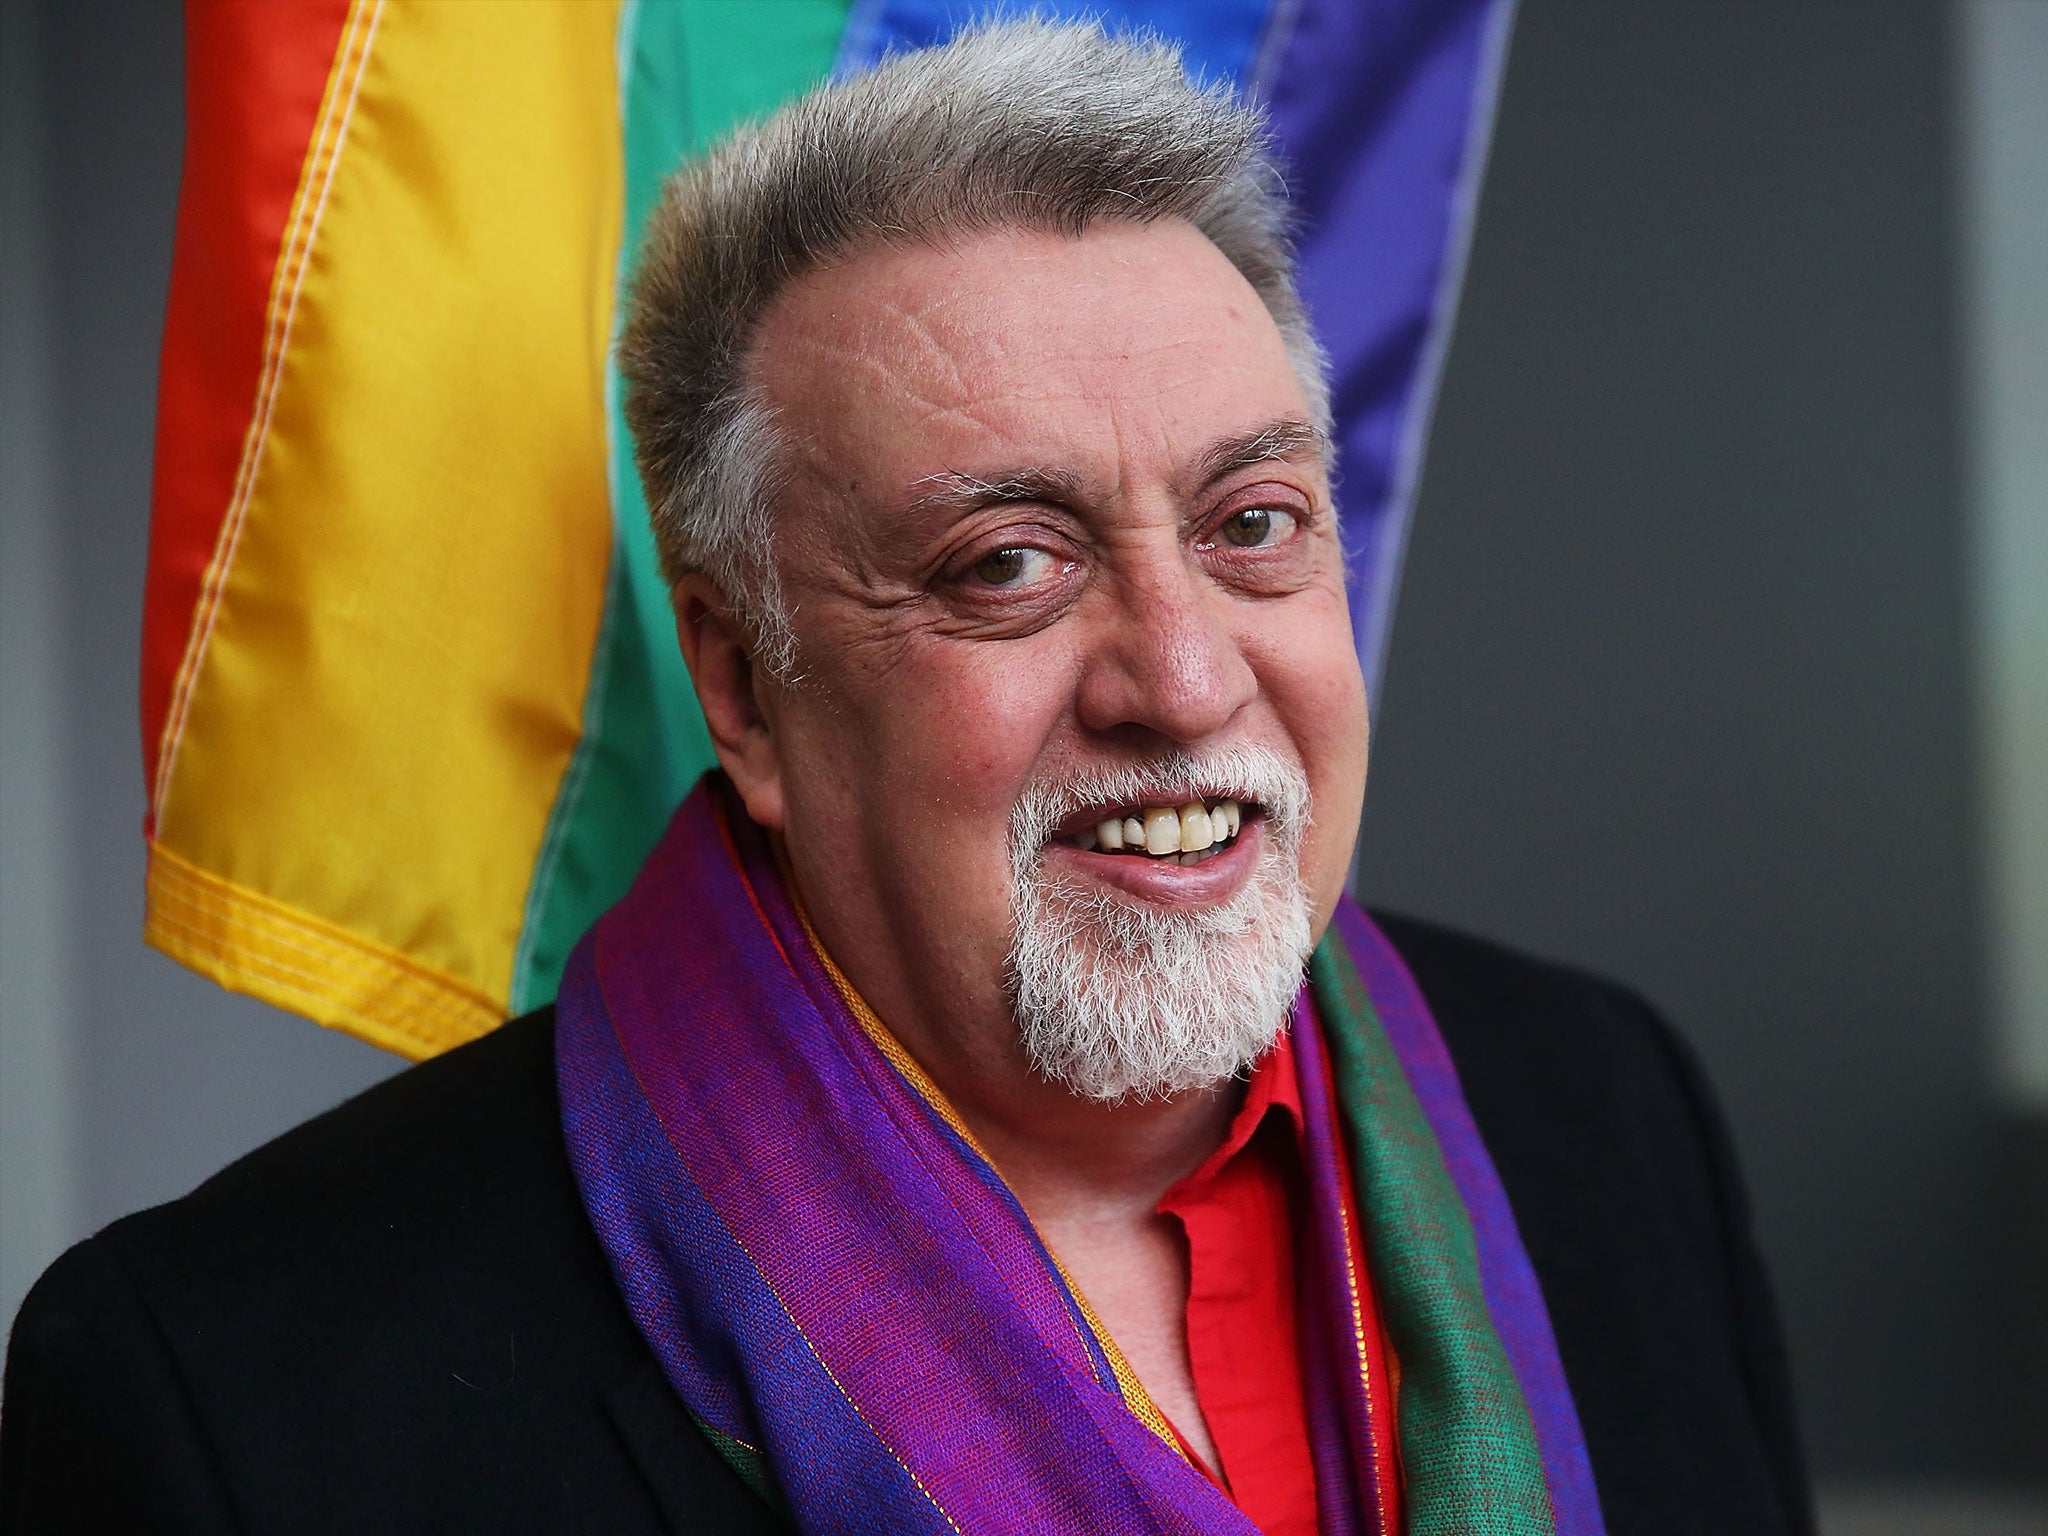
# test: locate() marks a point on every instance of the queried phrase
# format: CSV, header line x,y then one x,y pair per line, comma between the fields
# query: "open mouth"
x,y
1182,834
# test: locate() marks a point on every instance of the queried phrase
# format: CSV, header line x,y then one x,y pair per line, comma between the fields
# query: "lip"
x,y
1170,885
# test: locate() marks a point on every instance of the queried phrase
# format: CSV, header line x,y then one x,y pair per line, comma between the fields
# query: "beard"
x,y
1117,1000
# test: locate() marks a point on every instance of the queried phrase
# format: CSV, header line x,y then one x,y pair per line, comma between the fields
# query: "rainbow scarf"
x,y
849,1300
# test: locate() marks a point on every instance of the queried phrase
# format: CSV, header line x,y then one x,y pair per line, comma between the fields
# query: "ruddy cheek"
x,y
957,760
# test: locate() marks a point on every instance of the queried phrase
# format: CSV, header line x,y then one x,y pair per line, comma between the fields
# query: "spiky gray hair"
x,y
1029,124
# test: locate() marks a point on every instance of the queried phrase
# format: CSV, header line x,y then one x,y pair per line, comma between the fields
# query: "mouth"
x,y
1186,834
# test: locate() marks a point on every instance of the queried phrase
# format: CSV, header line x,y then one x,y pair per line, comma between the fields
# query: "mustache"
x,y
1252,774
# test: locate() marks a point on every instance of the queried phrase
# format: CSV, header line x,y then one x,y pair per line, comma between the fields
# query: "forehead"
x,y
1126,350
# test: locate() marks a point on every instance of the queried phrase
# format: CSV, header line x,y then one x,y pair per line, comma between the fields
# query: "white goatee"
x,y
1118,1000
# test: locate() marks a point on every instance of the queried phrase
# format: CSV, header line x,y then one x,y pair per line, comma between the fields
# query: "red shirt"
x,y
1241,1211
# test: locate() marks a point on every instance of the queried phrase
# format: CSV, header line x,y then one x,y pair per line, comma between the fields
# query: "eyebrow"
x,y
951,493
1287,437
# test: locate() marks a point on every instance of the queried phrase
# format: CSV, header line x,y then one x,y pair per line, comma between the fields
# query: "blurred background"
x,y
1721,664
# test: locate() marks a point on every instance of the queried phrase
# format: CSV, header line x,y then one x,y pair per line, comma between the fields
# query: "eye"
x,y
1255,527
1018,566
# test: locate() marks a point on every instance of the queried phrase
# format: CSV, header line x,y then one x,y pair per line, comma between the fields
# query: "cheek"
x,y
943,748
1308,669
1310,676
974,717
947,733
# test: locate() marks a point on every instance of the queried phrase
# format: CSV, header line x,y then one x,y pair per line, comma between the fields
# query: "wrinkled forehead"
x,y
1126,350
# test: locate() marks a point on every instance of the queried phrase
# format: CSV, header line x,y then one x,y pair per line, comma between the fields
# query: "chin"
x,y
1119,1000
1150,968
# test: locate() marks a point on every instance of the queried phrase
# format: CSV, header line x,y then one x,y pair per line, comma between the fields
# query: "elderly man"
x,y
942,1135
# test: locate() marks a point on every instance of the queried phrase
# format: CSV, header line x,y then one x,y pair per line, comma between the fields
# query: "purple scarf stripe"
x,y
801,1148
702,1305
1514,1300
1013,1241
832,1276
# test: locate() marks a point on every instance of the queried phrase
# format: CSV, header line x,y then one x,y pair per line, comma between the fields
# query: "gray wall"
x,y
37,1187
1677,689
2002,118
165,1077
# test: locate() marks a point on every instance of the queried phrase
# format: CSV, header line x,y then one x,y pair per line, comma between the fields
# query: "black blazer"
x,y
395,1318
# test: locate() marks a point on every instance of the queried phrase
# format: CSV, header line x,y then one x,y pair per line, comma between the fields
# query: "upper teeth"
x,y
1163,829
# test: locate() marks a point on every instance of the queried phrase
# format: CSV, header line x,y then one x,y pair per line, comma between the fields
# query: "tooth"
x,y
1134,832
1232,814
1086,839
1111,835
1196,833
1162,831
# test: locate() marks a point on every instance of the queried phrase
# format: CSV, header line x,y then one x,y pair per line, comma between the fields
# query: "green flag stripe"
x,y
689,70
1468,1443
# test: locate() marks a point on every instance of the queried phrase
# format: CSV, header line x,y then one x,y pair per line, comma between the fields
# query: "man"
x,y
941,1134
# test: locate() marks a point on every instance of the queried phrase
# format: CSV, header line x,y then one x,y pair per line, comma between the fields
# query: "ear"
x,y
736,696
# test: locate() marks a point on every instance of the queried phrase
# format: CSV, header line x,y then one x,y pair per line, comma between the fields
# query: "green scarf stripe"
x,y
751,1465
1472,1466
688,71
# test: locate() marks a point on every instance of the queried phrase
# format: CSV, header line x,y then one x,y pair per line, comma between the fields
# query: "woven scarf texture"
x,y
851,1303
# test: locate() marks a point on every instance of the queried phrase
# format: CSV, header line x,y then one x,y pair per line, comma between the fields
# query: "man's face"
x,y
1054,513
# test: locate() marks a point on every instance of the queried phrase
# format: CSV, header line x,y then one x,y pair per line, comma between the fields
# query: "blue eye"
x,y
1014,567
1255,527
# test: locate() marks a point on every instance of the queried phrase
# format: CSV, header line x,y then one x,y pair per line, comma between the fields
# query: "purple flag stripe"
x,y
1383,110
1220,40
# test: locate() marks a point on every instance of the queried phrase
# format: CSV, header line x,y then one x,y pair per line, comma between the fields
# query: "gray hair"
x,y
1029,124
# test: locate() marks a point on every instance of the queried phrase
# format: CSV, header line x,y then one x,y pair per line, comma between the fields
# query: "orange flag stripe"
x,y
256,76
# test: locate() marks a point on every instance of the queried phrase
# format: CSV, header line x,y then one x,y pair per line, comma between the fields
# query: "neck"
x,y
1065,1157
1074,1159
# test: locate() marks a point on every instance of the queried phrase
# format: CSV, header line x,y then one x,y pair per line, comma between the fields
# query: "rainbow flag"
x,y
412,707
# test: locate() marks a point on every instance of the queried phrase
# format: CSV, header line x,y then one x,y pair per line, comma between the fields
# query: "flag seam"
x,y
251,943
322,162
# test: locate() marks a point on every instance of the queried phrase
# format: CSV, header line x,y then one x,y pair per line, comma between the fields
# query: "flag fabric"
x,y
412,706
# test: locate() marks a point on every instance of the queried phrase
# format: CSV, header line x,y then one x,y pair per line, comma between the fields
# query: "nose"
x,y
1163,659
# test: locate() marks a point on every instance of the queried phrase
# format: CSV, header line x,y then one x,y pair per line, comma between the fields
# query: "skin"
x,y
1121,598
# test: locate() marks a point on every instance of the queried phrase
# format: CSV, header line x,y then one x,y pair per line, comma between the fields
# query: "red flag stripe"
x,y
255,74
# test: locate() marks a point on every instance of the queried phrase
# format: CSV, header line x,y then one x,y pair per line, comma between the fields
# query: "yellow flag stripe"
x,y
323,972
391,682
